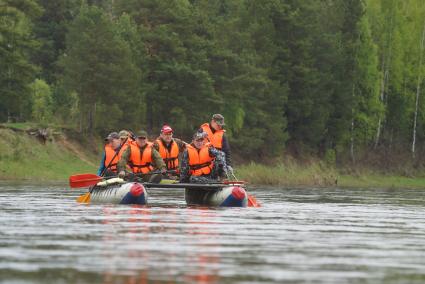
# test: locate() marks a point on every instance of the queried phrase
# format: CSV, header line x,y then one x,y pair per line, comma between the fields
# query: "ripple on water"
x,y
299,235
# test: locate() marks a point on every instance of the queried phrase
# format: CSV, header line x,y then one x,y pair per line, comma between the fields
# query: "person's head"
x,y
166,133
217,121
124,134
198,139
113,139
142,138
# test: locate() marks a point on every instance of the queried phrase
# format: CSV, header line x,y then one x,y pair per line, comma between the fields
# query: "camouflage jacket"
x,y
219,164
180,143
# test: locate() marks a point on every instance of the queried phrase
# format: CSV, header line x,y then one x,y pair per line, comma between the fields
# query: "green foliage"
x,y
42,111
97,65
16,45
303,76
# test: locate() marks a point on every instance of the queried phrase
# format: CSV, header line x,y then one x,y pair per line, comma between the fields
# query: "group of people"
x,y
207,158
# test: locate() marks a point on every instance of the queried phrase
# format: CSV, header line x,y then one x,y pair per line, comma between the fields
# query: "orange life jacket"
x,y
215,138
141,161
109,154
170,157
200,161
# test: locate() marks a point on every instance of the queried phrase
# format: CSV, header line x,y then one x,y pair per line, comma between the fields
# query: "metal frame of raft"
x,y
119,192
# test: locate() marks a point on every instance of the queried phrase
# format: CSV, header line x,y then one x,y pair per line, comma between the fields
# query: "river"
x,y
299,235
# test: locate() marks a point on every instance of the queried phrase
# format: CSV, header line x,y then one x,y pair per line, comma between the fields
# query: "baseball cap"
x,y
142,133
199,135
166,129
123,134
219,119
112,135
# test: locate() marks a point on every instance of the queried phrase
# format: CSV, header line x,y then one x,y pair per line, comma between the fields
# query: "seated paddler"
x,y
170,149
142,159
114,148
201,162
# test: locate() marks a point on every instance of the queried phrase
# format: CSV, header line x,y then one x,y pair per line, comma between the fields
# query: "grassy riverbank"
x,y
318,174
24,157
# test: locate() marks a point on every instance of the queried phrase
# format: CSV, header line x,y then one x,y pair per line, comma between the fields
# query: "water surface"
x,y
309,235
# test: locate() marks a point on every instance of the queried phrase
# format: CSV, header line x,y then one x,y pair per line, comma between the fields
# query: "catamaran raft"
x,y
118,191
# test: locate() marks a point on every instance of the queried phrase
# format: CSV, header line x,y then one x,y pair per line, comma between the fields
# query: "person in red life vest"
x,y
111,155
201,162
169,148
142,159
216,136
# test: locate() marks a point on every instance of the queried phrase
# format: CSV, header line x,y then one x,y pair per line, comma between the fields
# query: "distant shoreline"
x,y
319,175
24,159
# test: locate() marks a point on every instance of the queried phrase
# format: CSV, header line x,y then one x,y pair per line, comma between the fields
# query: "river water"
x,y
307,235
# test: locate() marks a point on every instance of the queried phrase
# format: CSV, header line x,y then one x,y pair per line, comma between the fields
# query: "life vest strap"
x,y
141,166
199,166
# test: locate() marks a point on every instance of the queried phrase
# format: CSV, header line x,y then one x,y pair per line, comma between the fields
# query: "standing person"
x,y
216,135
201,162
169,148
111,155
142,158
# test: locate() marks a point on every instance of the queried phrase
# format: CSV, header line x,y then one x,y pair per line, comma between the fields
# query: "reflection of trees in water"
x,y
188,252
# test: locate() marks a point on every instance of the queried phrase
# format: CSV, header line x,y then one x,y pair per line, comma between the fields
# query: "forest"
x,y
341,80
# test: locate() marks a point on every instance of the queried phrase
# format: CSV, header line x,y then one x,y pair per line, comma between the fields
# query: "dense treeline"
x,y
335,78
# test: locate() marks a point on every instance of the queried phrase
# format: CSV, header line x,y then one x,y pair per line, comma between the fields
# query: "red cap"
x,y
166,129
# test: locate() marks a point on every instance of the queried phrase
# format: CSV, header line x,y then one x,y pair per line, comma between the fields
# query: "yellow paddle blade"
x,y
85,198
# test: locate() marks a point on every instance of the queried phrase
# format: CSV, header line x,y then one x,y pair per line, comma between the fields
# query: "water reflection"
x,y
135,230
299,235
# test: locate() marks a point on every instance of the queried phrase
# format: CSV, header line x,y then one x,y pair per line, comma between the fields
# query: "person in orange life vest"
x,y
111,155
201,162
216,136
142,159
169,148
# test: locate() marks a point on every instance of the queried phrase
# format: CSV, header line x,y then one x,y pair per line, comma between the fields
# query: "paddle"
x,y
116,154
88,180
83,180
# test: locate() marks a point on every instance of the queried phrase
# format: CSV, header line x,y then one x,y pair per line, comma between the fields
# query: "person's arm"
x,y
155,145
122,163
157,160
102,164
219,156
225,147
184,167
181,144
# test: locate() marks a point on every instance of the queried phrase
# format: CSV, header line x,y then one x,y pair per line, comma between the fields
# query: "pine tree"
x,y
17,44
